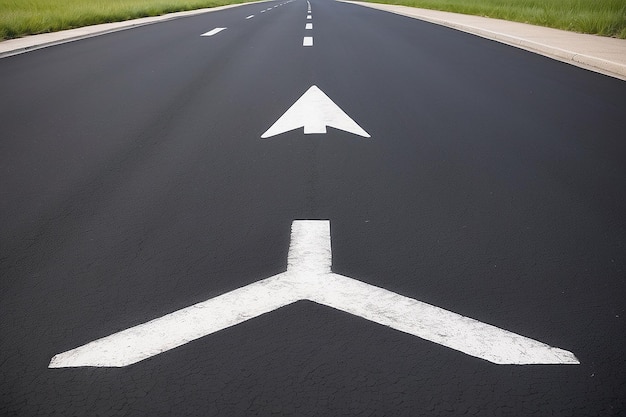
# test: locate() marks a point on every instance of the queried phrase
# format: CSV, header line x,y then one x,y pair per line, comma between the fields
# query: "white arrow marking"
x,y
314,111
309,277
213,32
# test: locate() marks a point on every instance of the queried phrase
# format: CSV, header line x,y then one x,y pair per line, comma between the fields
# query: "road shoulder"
x,y
595,53
33,42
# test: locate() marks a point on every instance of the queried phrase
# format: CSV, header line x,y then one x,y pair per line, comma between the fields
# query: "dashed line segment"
x,y
213,32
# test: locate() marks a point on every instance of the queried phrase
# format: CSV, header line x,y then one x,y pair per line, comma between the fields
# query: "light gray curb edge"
x,y
612,69
97,30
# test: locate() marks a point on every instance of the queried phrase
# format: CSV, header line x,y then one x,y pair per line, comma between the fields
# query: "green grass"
x,y
27,17
600,17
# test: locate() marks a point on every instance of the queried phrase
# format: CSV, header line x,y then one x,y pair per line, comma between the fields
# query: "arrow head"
x,y
314,111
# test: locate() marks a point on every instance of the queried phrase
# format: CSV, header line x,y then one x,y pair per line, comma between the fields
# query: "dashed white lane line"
x,y
250,17
213,32
308,40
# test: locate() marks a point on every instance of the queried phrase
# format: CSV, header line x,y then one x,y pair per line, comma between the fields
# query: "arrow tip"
x,y
314,111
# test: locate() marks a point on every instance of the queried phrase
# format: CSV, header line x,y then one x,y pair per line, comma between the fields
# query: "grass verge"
x,y
599,17
28,17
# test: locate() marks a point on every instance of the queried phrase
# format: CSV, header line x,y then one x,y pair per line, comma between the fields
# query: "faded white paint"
x,y
309,277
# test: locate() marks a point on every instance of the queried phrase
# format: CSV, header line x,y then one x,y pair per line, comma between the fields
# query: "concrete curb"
x,y
574,58
18,46
593,63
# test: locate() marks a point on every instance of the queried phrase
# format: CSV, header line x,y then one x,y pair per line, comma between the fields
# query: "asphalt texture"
x,y
134,182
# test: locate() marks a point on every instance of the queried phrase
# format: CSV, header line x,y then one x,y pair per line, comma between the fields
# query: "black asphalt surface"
x,y
134,182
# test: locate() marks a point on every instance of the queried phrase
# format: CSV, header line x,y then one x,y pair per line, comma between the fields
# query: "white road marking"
x,y
213,32
309,26
307,41
263,11
314,111
250,17
308,17
309,277
308,5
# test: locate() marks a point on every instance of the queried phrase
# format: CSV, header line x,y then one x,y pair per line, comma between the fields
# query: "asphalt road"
x,y
134,182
